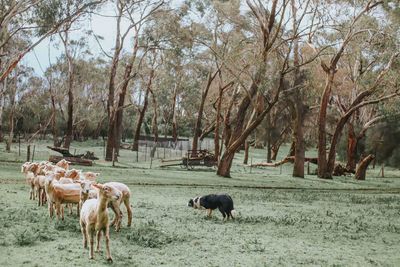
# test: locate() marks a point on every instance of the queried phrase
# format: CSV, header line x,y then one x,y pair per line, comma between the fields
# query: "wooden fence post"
x,y
28,153
19,145
33,152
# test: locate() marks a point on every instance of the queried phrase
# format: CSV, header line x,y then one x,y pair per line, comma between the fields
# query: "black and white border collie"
x,y
210,202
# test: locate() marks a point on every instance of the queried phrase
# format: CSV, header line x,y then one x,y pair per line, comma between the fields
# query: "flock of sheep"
x,y
58,186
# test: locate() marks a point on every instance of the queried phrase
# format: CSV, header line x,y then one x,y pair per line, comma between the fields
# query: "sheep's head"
x,y
33,167
85,186
91,175
73,174
63,164
41,170
108,191
25,166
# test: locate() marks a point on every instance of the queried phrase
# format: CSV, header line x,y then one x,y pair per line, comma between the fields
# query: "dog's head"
x,y
190,203
194,203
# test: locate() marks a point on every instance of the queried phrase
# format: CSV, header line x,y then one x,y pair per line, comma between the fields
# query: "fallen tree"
x,y
289,159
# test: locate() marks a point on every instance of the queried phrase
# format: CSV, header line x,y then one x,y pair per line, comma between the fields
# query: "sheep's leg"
x,y
129,210
98,240
44,198
62,212
39,196
32,193
111,205
78,208
51,210
84,234
58,210
33,188
118,215
107,234
91,239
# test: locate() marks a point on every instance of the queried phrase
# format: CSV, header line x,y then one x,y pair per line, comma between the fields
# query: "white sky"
x,y
103,25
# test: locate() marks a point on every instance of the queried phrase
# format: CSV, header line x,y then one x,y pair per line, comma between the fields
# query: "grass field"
x,y
281,221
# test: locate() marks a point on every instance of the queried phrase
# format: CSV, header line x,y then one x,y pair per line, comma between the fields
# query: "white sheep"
x,y
29,176
87,192
58,194
94,218
115,205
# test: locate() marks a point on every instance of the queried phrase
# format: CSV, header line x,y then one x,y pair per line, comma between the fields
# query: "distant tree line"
x,y
314,74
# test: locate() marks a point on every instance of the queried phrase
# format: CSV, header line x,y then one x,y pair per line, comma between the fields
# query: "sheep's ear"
x,y
98,186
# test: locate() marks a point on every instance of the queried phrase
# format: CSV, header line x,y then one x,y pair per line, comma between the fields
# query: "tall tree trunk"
x,y
142,112
120,106
268,139
70,108
12,111
197,128
225,164
218,123
351,149
122,93
136,136
111,135
234,143
111,132
174,122
322,162
53,118
155,118
69,132
240,134
246,152
362,167
2,98
274,151
299,154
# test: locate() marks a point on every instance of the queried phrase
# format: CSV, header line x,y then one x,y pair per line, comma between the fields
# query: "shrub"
x,y
148,235
24,237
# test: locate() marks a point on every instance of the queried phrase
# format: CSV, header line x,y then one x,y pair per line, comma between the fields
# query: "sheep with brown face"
x,y
63,164
59,194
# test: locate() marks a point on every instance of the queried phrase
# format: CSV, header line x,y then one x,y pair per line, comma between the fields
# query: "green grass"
x,y
282,221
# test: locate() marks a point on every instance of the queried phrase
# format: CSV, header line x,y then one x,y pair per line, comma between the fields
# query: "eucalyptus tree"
x,y
352,30
136,14
37,19
272,43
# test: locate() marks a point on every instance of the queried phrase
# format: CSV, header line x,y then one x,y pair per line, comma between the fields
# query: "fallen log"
x,y
63,151
73,160
285,160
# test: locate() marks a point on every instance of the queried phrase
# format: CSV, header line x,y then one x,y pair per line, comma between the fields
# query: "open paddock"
x,y
280,221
